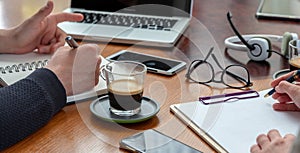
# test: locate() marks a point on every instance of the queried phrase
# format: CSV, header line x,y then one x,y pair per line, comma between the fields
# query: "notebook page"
x,y
12,77
13,59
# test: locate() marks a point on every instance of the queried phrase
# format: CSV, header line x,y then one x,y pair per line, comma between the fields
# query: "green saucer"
x,y
280,73
100,108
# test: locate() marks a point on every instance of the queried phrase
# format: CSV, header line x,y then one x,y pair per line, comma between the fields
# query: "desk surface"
x,y
75,129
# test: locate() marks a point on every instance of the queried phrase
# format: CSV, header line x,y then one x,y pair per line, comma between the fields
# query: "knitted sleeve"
x,y
28,105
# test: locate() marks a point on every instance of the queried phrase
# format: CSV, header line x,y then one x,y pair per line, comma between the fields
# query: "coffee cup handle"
x,y
103,72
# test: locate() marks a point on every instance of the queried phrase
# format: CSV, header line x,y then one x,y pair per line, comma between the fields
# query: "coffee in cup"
x,y
125,95
294,64
125,84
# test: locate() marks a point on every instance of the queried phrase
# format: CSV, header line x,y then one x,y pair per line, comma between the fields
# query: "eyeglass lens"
x,y
236,76
202,72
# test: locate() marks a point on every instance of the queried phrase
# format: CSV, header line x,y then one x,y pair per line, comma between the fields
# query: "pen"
x,y
290,79
71,42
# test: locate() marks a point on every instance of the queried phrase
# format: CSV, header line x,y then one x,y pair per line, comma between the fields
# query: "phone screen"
x,y
149,61
151,141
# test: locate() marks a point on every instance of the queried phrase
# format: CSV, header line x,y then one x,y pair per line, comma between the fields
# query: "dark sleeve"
x,y
28,105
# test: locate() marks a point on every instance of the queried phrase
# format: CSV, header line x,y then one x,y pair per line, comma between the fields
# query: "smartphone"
x,y
154,64
152,141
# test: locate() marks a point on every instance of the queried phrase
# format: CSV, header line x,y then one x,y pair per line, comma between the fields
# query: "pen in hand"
x,y
290,79
71,42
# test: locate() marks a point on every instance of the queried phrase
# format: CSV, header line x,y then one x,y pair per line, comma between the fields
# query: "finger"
x,y
281,98
274,134
290,89
48,48
284,98
59,36
284,77
290,137
262,140
59,41
285,107
286,87
44,49
254,149
97,71
72,17
57,45
44,11
276,95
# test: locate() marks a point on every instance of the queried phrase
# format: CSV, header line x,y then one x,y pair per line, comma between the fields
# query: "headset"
x,y
258,46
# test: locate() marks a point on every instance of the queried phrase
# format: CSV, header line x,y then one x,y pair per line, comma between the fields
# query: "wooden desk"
x,y
75,129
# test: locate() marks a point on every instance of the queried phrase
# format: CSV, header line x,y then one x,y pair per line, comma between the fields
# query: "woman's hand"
x,y
287,94
273,142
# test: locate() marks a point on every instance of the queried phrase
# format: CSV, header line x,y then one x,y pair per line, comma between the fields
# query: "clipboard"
x,y
206,137
236,124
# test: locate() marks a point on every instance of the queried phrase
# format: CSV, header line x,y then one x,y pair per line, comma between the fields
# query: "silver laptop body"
x,y
143,22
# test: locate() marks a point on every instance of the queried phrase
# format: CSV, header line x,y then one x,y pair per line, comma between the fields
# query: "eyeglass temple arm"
x,y
196,65
210,52
237,77
216,60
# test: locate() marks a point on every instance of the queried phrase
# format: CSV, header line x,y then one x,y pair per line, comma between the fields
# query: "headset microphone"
x,y
229,16
258,47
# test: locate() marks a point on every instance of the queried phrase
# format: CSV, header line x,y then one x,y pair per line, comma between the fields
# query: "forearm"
x,y
28,105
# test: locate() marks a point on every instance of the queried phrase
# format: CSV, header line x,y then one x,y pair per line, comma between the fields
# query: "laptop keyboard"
x,y
128,21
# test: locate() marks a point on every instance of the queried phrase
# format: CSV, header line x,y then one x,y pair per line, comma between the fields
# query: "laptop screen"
x,y
131,6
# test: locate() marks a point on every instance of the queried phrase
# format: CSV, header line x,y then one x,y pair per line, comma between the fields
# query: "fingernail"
x,y
48,4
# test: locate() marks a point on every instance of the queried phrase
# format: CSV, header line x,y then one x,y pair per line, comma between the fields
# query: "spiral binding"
x,y
23,67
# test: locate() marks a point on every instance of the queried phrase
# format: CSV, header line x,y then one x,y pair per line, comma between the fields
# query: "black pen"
x,y
71,42
290,79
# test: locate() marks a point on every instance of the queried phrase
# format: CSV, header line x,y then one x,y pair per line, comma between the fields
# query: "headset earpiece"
x,y
258,46
261,48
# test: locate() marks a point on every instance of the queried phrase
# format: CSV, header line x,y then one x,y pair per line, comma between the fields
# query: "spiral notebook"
x,y
233,126
16,67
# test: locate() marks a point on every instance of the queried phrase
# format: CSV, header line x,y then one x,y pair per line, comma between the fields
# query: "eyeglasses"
x,y
233,76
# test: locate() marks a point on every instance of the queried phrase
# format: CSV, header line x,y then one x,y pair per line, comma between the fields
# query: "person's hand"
x,y
38,32
77,69
273,142
287,94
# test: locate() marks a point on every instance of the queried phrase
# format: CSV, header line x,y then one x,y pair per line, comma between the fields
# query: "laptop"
x,y
279,9
143,22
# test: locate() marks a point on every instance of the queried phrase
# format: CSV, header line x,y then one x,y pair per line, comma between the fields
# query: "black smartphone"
x,y
153,141
154,64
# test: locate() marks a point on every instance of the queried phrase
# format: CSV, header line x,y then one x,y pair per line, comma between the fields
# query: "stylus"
x,y
290,79
71,42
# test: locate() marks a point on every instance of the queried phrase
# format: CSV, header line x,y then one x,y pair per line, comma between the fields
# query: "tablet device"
x,y
155,64
279,9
